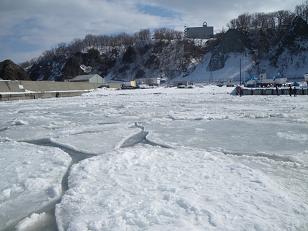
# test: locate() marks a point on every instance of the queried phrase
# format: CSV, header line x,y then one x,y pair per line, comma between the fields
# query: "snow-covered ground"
x,y
155,159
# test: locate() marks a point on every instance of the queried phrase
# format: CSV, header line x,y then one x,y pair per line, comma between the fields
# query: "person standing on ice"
x,y
239,91
277,91
290,90
294,91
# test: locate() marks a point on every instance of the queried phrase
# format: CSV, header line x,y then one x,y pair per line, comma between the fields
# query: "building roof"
x,y
151,78
115,81
84,77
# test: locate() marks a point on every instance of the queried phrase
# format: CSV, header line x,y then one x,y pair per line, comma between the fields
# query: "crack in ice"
x,y
263,155
140,138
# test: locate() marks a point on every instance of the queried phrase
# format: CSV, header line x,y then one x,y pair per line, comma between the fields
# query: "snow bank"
x,y
30,179
147,188
231,70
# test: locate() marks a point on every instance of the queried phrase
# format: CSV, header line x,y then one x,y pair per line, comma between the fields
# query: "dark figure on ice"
x,y
239,91
290,90
277,90
294,91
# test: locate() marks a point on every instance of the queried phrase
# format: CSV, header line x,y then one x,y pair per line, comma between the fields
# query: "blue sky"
x,y
158,11
28,27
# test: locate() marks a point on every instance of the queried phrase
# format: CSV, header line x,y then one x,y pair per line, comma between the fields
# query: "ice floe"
x,y
151,188
31,179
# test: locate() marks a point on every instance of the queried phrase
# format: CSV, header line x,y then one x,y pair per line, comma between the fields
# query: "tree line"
x,y
275,20
107,43
114,43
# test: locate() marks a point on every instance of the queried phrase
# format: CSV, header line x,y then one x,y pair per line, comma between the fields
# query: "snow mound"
x,y
30,179
18,122
36,222
151,188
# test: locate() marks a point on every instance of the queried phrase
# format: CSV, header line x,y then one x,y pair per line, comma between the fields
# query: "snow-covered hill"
x,y
272,51
230,71
292,66
256,52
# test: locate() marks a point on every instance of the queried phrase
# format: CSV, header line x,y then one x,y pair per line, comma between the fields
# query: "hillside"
x,y
11,71
274,43
274,52
140,59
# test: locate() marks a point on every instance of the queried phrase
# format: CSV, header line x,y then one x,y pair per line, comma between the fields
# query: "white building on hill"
x,y
88,78
204,32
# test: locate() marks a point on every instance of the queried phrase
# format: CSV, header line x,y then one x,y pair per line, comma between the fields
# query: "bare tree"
x,y
143,35
284,18
178,35
243,21
232,24
302,10
75,46
123,39
167,34
60,49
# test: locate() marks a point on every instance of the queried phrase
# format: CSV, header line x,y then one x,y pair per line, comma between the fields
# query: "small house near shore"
x,y
113,84
88,78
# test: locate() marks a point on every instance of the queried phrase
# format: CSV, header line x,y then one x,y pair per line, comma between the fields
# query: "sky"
x,y
28,27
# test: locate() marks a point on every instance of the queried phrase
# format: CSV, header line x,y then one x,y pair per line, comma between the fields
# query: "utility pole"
x,y
240,71
211,80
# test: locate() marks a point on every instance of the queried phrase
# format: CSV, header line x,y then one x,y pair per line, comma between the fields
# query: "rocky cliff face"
x,y
59,68
11,71
141,60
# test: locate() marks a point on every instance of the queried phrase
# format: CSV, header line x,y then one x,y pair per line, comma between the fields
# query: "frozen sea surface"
x,y
148,188
156,159
30,180
238,136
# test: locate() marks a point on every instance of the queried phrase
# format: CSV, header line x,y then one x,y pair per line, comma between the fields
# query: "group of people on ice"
x,y
292,91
